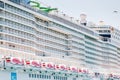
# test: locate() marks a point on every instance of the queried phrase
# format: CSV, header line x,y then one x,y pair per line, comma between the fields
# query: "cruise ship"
x,y
39,43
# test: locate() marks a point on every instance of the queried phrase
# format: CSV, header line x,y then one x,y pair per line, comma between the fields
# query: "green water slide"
x,y
38,6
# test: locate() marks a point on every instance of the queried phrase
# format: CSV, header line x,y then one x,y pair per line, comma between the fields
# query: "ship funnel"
x,y
83,20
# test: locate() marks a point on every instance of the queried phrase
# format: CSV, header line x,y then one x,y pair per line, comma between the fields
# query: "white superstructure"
x,y
31,34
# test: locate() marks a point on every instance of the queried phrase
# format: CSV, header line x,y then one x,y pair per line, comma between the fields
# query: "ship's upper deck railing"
x,y
72,22
59,16
66,17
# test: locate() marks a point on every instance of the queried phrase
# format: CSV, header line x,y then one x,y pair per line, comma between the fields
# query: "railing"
x,y
65,19
71,21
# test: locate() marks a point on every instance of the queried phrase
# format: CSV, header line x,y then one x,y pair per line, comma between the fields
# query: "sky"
x,y
96,10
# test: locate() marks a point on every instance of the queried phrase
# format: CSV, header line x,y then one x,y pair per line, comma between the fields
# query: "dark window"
x,y
44,76
1,4
29,75
54,77
49,77
40,76
37,75
32,75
